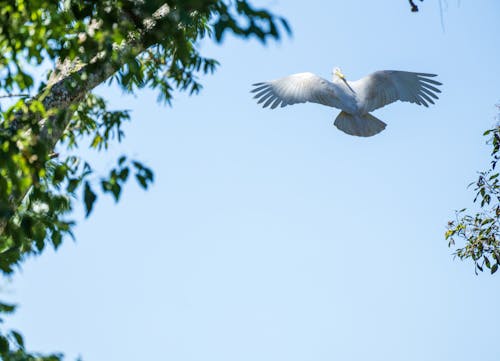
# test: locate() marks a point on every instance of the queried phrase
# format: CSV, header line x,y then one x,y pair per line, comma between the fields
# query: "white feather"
x,y
297,88
387,86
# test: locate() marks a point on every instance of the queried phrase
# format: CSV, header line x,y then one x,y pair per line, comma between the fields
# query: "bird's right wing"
x,y
296,88
387,86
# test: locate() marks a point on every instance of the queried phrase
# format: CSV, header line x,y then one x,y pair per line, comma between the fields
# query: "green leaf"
x,y
18,339
123,175
72,185
142,181
7,308
4,344
89,198
56,239
487,262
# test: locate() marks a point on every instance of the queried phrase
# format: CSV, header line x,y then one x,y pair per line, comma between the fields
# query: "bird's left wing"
x,y
297,88
384,87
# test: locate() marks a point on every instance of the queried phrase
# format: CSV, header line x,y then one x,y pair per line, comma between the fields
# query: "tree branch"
x,y
14,96
414,8
65,87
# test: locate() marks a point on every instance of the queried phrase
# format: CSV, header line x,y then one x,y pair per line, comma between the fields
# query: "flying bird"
x,y
355,99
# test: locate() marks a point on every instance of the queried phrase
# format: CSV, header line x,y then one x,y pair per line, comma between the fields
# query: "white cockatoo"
x,y
355,99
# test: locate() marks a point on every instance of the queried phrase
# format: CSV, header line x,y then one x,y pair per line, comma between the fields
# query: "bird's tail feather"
x,y
360,125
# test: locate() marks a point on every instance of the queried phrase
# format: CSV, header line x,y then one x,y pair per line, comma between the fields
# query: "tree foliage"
x,y
132,44
480,232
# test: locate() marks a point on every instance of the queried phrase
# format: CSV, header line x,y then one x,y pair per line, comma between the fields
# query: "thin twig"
x,y
414,8
14,95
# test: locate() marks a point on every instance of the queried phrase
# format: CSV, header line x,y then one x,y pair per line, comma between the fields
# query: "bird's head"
x,y
338,73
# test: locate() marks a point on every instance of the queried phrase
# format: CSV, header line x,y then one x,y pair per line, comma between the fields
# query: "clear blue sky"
x,y
271,235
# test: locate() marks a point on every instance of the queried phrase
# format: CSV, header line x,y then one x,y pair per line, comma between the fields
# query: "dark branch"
x,y
14,96
414,8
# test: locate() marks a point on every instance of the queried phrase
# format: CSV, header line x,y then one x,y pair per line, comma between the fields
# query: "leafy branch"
x,y
480,232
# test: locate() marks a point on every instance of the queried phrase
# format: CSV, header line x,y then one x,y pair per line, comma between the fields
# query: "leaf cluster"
x,y
480,232
38,186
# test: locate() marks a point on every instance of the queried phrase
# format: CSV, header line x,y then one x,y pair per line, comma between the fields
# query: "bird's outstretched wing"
x,y
384,87
296,88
